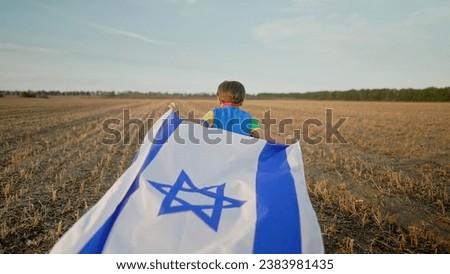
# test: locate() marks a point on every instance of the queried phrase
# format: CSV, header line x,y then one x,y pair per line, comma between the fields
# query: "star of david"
x,y
173,203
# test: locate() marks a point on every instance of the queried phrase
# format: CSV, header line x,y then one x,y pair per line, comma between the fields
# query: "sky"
x,y
193,45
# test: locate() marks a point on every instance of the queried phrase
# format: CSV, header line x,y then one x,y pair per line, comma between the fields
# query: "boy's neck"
x,y
227,104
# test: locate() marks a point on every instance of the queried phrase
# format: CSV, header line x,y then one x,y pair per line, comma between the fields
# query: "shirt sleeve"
x,y
208,119
254,124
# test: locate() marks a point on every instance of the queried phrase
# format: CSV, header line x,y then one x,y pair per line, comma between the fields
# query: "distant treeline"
x,y
121,94
430,94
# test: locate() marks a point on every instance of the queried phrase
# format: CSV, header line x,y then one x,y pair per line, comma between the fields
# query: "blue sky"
x,y
193,45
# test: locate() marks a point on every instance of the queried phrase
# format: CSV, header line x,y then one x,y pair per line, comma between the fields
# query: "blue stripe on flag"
x,y
277,209
96,244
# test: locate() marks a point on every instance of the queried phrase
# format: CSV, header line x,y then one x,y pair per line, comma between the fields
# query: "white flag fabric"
x,y
193,189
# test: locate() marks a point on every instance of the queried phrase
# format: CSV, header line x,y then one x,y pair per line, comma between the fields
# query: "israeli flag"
x,y
193,189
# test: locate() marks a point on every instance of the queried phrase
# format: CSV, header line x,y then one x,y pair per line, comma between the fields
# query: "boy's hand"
x,y
173,106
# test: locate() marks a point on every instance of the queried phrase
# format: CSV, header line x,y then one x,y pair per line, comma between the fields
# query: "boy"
x,y
229,116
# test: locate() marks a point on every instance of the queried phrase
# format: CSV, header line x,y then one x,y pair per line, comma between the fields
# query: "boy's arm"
x,y
257,131
208,119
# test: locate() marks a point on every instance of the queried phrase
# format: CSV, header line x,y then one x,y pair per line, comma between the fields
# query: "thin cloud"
x,y
106,29
183,1
109,30
27,48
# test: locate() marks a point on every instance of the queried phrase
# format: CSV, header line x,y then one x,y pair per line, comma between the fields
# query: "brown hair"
x,y
231,91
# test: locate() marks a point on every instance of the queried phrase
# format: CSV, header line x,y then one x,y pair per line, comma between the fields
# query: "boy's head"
x,y
231,92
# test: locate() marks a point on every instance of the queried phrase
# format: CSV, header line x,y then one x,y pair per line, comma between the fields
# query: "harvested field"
x,y
386,189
